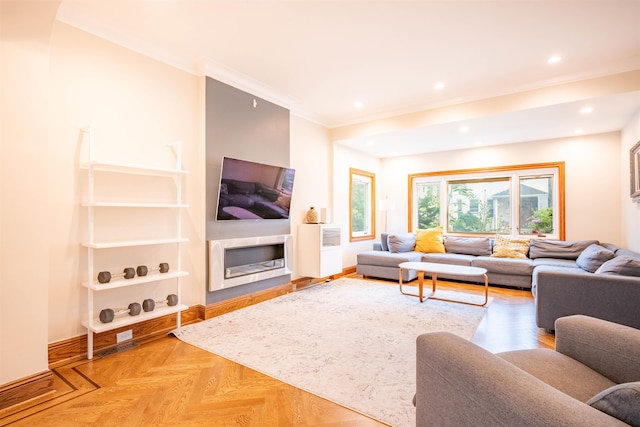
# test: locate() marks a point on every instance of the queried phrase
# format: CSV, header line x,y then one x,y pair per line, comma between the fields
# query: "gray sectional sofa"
x,y
566,277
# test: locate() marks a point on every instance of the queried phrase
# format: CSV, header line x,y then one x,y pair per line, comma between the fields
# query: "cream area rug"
x,y
350,341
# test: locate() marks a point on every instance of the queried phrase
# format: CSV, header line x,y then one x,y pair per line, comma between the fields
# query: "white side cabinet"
x,y
319,250
113,236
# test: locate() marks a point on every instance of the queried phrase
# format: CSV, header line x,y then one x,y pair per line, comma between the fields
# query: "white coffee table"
x,y
434,269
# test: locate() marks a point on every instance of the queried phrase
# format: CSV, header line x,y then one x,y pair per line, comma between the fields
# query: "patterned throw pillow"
x,y
430,240
510,247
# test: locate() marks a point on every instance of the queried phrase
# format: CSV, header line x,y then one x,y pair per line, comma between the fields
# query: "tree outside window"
x,y
536,201
479,206
428,204
362,204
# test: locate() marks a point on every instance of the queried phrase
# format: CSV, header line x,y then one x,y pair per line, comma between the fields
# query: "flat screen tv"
x,y
253,191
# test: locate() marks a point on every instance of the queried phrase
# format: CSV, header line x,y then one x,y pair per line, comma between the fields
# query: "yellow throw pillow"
x,y
430,240
510,247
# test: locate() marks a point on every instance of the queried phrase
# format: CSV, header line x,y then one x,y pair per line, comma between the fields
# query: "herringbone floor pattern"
x,y
166,382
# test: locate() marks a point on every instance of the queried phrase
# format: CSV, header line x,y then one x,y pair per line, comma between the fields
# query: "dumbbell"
x,y
149,304
107,315
142,270
105,276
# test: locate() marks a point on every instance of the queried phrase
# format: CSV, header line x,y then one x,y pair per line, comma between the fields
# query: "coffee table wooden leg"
x,y
420,285
486,290
486,293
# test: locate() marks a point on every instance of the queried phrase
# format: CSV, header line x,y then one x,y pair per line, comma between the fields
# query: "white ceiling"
x,y
318,58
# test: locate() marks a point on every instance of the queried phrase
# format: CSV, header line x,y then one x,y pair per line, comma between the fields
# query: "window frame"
x,y
514,171
353,172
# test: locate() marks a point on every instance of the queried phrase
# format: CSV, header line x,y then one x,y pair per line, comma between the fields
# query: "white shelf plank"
x,y
125,320
121,283
133,169
133,205
129,243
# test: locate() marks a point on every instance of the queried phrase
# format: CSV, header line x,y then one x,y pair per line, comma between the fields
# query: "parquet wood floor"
x,y
165,382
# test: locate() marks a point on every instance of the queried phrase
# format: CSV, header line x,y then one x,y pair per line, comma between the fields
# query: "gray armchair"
x,y
461,384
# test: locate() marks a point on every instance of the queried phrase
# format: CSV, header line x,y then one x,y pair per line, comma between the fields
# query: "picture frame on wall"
x,y
634,157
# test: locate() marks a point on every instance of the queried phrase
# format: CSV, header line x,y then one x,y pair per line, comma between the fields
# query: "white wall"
x,y
311,157
592,165
24,202
630,210
137,106
343,159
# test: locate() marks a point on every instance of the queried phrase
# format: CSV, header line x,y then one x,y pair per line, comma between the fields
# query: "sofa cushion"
x,y
453,259
512,266
429,240
574,270
555,262
613,248
543,248
593,257
620,265
510,247
387,259
468,245
384,241
628,253
621,401
401,242
559,371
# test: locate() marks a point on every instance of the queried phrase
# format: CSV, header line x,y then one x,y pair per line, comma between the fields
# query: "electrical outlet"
x,y
124,336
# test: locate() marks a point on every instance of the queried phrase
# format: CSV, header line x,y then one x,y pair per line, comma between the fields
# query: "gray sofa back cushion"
x,y
542,248
384,241
620,265
468,245
401,242
628,253
593,257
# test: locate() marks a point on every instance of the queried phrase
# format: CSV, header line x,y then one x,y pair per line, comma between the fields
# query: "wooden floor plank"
x,y
166,382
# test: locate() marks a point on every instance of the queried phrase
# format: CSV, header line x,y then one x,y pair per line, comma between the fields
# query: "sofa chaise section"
x,y
384,264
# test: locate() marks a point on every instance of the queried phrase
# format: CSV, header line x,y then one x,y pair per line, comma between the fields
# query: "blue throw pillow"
x,y
593,257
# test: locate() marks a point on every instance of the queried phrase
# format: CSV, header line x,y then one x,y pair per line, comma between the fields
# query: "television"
x,y
251,191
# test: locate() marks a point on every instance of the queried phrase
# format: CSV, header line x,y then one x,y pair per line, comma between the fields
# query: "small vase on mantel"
x,y
312,216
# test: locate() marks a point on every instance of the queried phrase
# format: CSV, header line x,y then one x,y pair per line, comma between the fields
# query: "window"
x,y
517,200
536,204
479,206
362,203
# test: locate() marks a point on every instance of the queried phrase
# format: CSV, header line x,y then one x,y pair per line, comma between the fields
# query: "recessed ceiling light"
x,y
586,110
578,132
370,142
438,86
478,143
554,59
463,128
358,104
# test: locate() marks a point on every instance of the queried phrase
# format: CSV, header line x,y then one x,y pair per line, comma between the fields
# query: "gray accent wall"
x,y
242,126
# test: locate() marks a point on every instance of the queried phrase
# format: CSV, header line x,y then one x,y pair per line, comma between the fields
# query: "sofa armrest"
x,y
461,384
608,348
